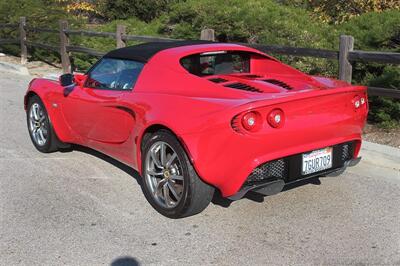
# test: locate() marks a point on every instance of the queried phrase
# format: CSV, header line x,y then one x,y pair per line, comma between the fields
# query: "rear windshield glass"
x,y
214,63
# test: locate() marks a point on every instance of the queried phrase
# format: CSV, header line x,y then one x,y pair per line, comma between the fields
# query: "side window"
x,y
114,74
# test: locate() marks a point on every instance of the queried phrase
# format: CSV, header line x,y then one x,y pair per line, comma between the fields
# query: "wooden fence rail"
x,y
346,54
296,51
90,33
2,26
34,29
9,41
85,50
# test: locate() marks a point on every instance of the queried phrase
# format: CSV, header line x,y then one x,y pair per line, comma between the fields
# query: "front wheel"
x,y
39,126
171,185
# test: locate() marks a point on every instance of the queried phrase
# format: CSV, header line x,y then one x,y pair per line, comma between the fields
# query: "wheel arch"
x,y
56,141
27,96
148,132
61,131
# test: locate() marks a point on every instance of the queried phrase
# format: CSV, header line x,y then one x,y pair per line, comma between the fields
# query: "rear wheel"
x,y
171,185
39,126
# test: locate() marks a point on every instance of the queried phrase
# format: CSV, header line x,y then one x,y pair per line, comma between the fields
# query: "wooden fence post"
x,y
345,68
121,31
207,35
64,42
22,37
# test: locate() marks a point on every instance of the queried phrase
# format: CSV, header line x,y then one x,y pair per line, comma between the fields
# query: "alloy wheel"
x,y
38,125
163,174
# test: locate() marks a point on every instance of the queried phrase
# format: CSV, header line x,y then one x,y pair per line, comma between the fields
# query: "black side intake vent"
x,y
241,86
218,80
278,83
235,124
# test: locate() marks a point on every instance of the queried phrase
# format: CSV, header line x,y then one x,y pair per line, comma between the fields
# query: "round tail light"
x,y
358,101
276,118
251,121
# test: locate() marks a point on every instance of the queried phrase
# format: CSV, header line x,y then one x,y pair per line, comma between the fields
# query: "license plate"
x,y
316,161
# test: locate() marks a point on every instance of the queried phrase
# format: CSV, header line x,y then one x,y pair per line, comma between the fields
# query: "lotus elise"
x,y
195,116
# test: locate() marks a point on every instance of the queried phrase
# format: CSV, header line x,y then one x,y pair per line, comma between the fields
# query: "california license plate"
x,y
317,161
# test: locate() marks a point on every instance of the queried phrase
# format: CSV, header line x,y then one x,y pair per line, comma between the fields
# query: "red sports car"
x,y
195,116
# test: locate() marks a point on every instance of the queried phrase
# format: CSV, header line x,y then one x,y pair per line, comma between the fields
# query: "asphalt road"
x,y
82,208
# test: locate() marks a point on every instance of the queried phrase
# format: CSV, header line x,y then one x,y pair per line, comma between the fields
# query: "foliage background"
x,y
375,25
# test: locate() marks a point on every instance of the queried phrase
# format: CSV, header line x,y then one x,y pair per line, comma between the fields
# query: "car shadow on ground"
x,y
217,198
129,170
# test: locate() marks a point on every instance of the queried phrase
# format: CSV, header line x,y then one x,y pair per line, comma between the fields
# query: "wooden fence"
x,y
345,56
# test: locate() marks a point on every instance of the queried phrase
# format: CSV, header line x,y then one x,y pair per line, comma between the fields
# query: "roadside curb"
x,y
382,157
380,148
13,68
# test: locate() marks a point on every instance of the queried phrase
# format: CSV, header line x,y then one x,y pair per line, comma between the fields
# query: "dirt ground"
x,y
36,68
372,133
375,134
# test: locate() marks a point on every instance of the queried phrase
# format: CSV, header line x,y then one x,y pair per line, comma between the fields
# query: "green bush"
x,y
145,10
256,21
374,31
133,26
250,21
38,13
385,112
377,32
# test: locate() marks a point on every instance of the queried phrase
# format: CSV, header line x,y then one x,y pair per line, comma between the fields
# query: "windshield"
x,y
214,63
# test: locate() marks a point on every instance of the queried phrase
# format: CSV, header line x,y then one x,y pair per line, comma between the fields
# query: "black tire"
x,y
196,194
52,143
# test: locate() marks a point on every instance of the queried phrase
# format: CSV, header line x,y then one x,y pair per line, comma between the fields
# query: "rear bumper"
x,y
271,185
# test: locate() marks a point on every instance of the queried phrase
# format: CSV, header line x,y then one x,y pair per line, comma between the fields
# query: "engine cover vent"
x,y
218,80
278,83
241,86
252,76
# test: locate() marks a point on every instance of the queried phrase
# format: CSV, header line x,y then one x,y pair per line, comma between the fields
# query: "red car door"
x,y
98,111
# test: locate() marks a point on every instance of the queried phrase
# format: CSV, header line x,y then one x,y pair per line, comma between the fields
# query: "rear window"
x,y
214,63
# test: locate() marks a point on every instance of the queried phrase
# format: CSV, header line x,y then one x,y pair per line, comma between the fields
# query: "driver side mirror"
x,y
66,79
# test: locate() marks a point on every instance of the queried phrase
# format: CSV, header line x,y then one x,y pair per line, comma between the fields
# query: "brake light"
x,y
251,121
276,118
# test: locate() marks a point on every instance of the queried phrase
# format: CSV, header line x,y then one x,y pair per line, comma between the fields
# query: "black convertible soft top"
x,y
143,52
